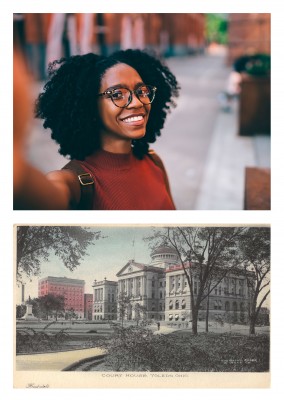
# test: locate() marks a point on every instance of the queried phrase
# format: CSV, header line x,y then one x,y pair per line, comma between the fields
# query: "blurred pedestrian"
x,y
104,112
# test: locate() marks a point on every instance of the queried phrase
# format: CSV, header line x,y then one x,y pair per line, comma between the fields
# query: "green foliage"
x,y
138,349
20,311
226,352
258,65
35,243
216,28
51,303
38,341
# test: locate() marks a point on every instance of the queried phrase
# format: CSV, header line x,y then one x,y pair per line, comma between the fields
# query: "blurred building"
x,y
44,37
71,289
248,34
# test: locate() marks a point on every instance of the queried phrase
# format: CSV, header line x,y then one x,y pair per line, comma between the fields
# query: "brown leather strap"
x,y
87,185
156,159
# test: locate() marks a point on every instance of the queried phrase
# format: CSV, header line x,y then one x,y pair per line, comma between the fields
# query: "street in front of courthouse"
x,y
204,156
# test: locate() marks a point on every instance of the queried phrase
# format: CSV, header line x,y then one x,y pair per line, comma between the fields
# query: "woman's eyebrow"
x,y
124,85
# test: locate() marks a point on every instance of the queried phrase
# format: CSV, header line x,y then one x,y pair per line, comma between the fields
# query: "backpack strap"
x,y
157,160
87,185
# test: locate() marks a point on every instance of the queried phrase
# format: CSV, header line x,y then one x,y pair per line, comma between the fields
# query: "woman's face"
x,y
122,123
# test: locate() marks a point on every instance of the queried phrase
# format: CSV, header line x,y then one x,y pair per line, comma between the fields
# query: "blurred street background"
x,y
216,143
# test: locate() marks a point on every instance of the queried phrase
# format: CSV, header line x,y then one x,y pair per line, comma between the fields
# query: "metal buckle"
x,y
85,183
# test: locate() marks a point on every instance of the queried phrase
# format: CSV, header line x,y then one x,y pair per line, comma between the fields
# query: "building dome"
x,y
164,256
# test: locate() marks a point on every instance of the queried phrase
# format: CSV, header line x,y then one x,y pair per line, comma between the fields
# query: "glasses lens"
x,y
120,96
146,94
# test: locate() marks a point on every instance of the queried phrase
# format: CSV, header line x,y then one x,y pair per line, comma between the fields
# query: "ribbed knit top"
x,y
123,182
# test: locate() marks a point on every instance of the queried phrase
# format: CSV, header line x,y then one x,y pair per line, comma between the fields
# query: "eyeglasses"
x,y
122,96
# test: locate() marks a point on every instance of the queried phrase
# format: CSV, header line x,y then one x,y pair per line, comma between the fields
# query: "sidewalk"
x,y
223,183
54,361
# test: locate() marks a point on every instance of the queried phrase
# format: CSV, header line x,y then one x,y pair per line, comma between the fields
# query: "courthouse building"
x,y
161,288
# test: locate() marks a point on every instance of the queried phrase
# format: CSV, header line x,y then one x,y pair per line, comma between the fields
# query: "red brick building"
x,y
248,34
71,289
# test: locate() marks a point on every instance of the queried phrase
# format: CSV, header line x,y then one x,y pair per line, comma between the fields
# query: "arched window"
x,y
183,304
227,306
170,317
177,304
171,305
176,317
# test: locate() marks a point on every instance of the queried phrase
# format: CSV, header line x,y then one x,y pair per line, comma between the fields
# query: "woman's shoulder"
x,y
155,158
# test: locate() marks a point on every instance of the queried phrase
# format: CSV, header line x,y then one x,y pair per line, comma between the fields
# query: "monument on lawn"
x,y
29,311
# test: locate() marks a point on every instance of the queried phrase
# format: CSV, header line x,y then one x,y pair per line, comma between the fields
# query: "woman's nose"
x,y
135,102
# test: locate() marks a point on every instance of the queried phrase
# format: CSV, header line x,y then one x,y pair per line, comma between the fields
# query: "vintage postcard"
x,y
129,306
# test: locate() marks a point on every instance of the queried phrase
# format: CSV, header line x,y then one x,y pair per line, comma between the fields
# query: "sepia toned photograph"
x,y
142,306
150,111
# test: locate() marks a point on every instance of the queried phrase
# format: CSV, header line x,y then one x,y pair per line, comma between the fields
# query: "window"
x,y
183,304
170,317
227,306
176,317
161,295
177,304
215,305
171,305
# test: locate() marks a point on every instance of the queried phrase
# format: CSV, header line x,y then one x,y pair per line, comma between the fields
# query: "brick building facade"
x,y
71,289
248,34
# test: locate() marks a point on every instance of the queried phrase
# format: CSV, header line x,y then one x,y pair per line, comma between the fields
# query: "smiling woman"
x,y
104,112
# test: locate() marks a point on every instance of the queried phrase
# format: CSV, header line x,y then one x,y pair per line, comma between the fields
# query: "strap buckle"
x,y
86,179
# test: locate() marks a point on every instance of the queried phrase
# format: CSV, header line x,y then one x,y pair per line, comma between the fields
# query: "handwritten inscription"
x,y
35,386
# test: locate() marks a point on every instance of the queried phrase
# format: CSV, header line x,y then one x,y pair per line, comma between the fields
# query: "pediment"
x,y
131,268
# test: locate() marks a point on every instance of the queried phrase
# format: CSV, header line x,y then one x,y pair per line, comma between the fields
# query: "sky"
x,y
104,260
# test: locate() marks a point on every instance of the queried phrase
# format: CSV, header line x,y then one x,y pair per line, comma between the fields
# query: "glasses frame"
x,y
109,92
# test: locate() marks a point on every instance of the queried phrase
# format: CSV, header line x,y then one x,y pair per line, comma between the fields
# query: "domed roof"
x,y
163,250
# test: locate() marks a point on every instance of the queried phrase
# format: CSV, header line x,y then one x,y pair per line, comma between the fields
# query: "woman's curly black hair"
x,y
69,103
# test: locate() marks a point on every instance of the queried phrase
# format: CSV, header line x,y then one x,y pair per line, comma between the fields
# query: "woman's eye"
x,y
117,95
143,92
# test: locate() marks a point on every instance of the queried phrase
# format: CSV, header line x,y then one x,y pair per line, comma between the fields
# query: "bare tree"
x,y
255,245
206,254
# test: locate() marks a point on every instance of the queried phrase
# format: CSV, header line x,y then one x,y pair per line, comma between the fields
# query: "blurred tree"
x,y
216,28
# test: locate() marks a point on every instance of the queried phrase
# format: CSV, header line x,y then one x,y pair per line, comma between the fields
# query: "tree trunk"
x,y
194,321
252,325
207,316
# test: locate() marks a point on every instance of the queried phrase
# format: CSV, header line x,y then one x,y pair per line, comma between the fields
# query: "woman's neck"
x,y
116,146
